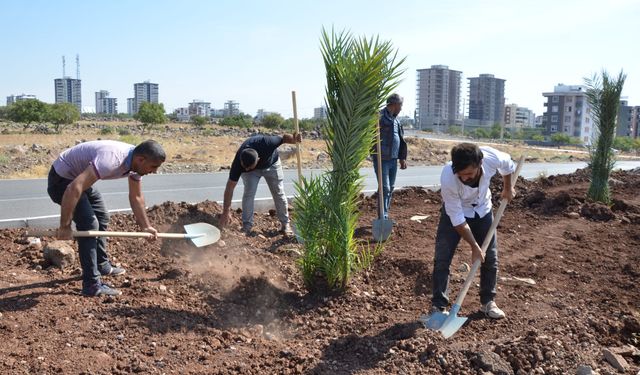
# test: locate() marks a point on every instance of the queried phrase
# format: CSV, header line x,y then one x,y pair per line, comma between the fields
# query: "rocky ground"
x,y
569,273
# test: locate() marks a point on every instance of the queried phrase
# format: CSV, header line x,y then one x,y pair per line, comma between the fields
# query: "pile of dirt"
x,y
569,271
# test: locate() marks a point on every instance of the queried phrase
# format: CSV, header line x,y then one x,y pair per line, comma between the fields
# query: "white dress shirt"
x,y
462,201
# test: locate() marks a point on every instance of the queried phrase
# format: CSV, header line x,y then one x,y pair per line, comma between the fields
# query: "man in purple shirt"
x,y
70,185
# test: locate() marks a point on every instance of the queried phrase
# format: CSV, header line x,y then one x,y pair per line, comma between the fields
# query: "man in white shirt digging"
x,y
466,214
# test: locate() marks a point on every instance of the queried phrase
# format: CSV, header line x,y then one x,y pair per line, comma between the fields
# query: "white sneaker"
x,y
491,310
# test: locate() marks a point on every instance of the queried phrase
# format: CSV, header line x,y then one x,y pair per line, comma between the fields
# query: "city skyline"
x,y
256,53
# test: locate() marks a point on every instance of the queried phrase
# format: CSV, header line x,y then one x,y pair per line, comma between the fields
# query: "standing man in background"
x,y
258,157
393,148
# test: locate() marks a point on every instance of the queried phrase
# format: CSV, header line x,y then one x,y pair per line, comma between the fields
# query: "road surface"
x,y
26,203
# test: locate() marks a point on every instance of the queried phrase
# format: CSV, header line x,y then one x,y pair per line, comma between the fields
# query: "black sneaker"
x,y
99,289
113,271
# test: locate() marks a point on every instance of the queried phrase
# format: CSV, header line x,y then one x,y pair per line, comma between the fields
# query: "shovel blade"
x,y
452,325
202,234
382,229
434,321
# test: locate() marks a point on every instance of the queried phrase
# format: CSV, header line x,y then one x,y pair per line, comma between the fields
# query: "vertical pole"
x,y
297,130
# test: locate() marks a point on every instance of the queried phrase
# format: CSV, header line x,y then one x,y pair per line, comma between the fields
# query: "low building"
x,y
199,108
567,111
183,114
17,98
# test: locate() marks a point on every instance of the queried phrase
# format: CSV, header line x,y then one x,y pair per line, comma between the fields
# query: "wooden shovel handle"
x,y
97,233
379,162
488,237
297,130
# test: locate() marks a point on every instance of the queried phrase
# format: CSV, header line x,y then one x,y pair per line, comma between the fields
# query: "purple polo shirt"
x,y
109,159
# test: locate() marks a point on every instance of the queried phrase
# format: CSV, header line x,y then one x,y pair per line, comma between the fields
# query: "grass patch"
x,y
36,171
131,139
4,159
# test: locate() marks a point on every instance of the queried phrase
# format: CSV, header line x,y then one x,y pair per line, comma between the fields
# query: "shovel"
x,y
201,234
449,324
381,227
298,162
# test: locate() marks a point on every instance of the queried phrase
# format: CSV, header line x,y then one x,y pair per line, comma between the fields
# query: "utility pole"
x,y
63,67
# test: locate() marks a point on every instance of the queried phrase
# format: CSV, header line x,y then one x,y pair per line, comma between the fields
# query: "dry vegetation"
x,y
210,149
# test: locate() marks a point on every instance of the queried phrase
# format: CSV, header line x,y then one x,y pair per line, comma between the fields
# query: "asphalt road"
x,y
26,203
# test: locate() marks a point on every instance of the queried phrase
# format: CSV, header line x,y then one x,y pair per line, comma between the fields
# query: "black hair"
x,y
248,157
151,150
394,98
464,155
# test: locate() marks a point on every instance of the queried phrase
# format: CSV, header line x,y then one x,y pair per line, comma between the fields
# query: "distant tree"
x,y
561,138
172,117
240,121
198,121
623,143
496,131
272,121
27,112
150,114
61,114
307,124
603,94
3,112
537,137
455,130
480,133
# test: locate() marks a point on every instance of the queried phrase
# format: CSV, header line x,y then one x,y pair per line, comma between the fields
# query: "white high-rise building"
x,y
438,98
105,104
486,100
69,90
144,92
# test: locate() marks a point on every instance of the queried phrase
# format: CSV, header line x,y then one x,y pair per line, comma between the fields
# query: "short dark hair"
x,y
464,155
248,157
151,150
394,98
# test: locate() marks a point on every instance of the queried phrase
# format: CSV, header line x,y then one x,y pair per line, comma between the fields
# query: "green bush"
x,y
108,129
124,131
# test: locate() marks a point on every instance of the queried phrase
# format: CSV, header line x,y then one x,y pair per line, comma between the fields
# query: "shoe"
x,y
99,289
491,310
286,229
436,309
114,271
249,232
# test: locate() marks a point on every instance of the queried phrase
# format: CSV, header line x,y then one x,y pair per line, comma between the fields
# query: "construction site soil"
x,y
568,283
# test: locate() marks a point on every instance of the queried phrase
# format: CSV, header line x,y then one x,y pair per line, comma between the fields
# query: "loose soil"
x,y
239,307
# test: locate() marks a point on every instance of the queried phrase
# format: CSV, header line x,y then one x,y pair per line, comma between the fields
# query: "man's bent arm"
x,y
73,193
136,200
228,195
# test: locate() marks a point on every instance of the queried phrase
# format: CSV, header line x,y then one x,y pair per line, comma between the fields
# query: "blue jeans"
x,y
389,172
447,240
275,180
90,214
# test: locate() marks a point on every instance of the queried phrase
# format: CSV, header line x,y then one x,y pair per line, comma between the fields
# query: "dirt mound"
x,y
569,271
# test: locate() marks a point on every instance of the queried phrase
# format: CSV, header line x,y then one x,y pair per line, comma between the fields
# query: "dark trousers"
x,y
447,240
90,214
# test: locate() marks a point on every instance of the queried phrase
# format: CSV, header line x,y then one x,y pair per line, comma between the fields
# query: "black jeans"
x,y
90,214
447,240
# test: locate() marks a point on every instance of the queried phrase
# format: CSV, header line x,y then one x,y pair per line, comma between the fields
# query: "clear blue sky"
x,y
256,52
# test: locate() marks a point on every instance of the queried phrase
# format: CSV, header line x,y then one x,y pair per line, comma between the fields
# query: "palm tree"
x,y
603,94
361,73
